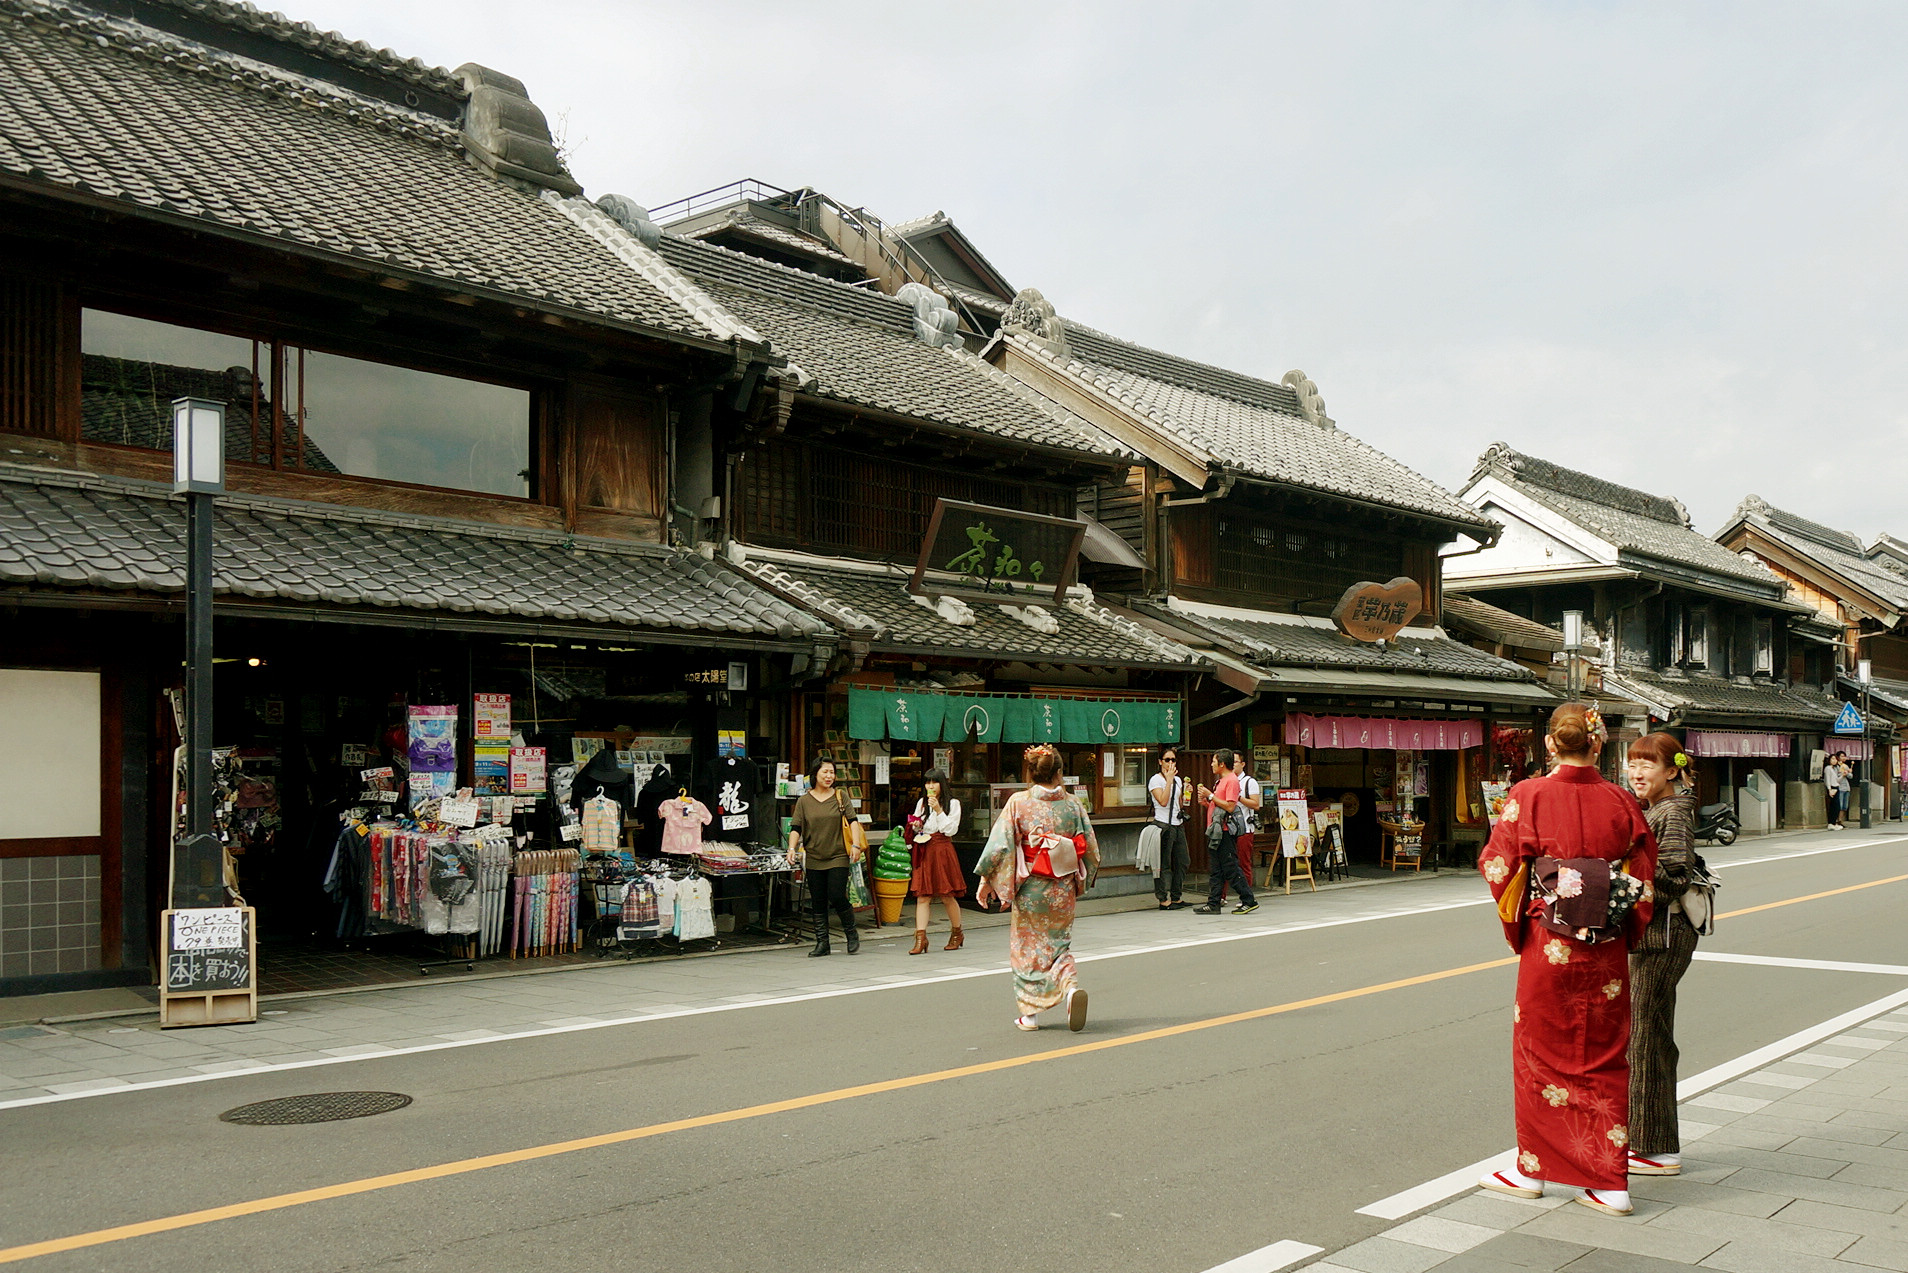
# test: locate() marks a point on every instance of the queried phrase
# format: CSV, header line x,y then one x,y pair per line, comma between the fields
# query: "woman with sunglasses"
x,y
1170,794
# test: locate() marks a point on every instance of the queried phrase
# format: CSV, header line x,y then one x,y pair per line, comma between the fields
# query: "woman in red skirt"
x,y
1570,1024
937,869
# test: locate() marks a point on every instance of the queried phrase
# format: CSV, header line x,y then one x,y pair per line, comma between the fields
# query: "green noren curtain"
x,y
912,716
986,717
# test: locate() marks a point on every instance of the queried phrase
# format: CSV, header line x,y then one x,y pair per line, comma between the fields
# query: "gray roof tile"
x,y
1487,620
1255,427
1631,520
1277,641
113,110
275,549
1713,698
878,605
1840,551
861,349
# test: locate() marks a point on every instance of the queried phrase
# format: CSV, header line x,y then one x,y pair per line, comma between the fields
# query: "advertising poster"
x,y
527,771
491,769
1494,796
1295,824
433,740
491,717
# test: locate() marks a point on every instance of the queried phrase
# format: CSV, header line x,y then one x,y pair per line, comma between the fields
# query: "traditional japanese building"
x,y
1696,634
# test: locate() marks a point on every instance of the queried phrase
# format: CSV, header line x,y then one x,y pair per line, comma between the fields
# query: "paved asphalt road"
x,y
1175,1152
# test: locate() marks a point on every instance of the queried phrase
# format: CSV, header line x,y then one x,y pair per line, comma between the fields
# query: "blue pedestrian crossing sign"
x,y
1850,721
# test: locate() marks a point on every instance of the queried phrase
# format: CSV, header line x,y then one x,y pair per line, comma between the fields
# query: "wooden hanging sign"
x,y
1374,612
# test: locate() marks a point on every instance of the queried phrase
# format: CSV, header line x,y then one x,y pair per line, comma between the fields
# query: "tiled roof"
x,y
860,347
1838,550
1704,698
1292,641
1631,520
740,222
1498,624
1255,427
65,531
108,110
878,606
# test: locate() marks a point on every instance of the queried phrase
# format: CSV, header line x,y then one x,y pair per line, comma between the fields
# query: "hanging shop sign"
x,y
1373,612
1384,734
999,554
210,958
913,716
490,717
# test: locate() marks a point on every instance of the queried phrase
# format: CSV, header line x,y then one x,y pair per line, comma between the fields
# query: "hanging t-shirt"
x,y
665,889
695,913
731,789
683,820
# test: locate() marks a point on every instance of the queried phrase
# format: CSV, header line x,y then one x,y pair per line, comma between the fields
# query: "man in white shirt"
x,y
1170,794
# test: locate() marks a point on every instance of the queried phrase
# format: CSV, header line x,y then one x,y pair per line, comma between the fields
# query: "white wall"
x,y
49,754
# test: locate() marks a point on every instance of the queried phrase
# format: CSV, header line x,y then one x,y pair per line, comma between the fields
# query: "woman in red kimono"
x,y
1570,1025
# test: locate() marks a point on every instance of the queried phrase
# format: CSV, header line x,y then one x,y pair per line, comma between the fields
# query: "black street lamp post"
x,y
1865,669
198,473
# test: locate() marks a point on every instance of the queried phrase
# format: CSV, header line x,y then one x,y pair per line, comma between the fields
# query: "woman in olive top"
x,y
819,836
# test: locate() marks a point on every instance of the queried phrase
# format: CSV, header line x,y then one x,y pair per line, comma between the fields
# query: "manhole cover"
x,y
321,1107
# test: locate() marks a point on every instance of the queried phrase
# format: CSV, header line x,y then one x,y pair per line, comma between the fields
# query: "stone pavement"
x,y
70,1059
1799,1167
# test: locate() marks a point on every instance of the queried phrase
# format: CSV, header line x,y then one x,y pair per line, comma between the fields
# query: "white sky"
x,y
1661,243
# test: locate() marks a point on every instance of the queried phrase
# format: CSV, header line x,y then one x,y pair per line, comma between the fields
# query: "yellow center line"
x,y
464,1166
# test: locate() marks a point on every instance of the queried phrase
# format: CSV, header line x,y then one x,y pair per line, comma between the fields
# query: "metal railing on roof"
x,y
745,190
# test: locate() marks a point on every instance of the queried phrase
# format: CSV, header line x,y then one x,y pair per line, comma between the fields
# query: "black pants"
x,y
1174,858
1837,801
1222,866
828,889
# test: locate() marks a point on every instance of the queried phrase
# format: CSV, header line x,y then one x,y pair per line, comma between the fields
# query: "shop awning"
x,y
1853,748
1403,685
906,715
1735,742
1383,733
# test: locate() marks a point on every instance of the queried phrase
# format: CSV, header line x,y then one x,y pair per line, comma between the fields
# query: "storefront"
x,y
400,770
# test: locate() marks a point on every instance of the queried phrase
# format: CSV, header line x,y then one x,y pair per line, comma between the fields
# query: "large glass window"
x,y
295,408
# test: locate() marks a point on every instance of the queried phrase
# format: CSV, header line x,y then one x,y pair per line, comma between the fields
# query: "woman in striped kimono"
x,y
1040,857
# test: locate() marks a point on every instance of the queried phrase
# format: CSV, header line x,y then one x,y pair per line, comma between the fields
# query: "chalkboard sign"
x,y
210,974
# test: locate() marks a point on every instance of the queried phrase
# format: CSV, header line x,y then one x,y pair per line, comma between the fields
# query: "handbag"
x,y
858,888
853,838
1698,901
1589,899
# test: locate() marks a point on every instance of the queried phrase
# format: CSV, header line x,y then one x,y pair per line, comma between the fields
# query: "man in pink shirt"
x,y
1222,841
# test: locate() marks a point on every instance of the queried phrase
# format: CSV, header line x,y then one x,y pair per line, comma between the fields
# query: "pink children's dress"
x,y
683,821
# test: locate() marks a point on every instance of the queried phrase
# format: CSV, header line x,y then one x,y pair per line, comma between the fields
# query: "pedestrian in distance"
x,y
1662,777
1569,864
1835,780
1225,825
1170,794
821,837
937,869
1252,796
1040,856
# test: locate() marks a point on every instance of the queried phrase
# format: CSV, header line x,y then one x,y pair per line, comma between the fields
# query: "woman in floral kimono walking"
x,y
1570,1024
1039,858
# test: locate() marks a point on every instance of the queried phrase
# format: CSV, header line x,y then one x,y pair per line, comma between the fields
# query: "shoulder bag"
x,y
853,838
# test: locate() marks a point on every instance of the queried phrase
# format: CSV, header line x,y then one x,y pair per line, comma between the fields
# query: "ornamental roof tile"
x,y
1285,640
860,347
1631,520
876,605
1256,427
117,535
117,112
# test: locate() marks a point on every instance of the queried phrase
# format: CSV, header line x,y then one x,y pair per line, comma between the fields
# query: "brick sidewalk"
x,y
1799,1167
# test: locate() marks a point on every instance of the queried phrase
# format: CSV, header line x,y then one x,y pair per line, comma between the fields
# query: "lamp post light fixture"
x,y
1864,671
198,473
1573,648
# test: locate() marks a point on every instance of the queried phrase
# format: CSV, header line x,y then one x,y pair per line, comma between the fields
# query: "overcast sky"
x,y
1661,243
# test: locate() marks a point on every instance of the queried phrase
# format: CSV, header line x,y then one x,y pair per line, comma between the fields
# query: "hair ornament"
x,y
1682,760
1593,722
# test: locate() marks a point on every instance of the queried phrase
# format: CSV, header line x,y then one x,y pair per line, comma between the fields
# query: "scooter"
x,y
1718,822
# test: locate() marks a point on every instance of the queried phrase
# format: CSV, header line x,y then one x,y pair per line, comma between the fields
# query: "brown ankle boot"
x,y
920,942
954,940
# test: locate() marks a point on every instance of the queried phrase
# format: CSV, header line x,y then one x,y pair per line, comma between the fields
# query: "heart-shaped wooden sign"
x,y
1374,612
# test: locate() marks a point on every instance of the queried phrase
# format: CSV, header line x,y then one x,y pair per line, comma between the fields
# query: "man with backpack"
x,y
1226,823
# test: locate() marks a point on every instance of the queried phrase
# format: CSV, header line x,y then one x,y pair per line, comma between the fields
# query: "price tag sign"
x,y
457,812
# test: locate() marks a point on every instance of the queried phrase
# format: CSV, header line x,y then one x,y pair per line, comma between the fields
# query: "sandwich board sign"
x,y
209,957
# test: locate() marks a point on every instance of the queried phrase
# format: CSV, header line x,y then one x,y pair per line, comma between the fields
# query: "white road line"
x,y
1819,965
1807,853
241,1069
1268,1258
1464,1179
